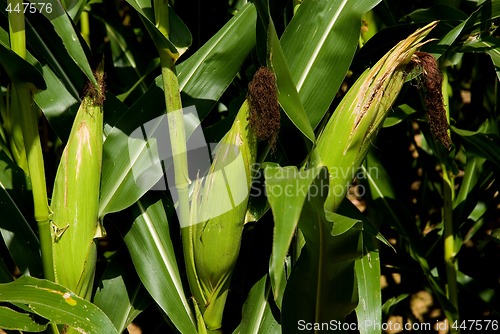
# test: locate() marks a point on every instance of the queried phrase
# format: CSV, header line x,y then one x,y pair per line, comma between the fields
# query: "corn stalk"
x,y
448,228
26,146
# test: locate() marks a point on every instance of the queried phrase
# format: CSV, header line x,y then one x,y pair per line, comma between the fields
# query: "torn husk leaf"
x,y
345,140
76,196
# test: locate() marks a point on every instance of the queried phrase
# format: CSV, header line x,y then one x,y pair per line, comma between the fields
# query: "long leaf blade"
x,y
287,208
10,319
257,315
288,96
66,31
57,304
150,247
369,309
332,30
207,73
15,228
322,280
121,294
179,39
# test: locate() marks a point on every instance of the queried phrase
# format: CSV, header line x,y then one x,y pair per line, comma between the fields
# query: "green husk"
x,y
75,199
217,217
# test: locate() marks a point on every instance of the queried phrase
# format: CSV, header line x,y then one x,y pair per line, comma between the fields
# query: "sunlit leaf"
x,y
331,29
369,309
257,316
69,36
314,282
205,75
10,319
392,302
399,114
57,304
137,153
121,294
150,246
286,189
288,96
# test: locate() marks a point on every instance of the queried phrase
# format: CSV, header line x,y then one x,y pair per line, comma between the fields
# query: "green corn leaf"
x,y
391,303
178,39
17,226
475,288
229,47
286,207
69,36
60,100
53,52
121,295
10,319
369,309
57,304
326,262
346,221
131,157
74,8
388,210
123,156
481,144
20,71
126,54
205,75
288,96
150,247
14,136
257,316
453,35
489,45
399,114
485,12
331,29
57,104
325,232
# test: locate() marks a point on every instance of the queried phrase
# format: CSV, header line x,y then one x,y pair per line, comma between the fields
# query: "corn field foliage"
x,y
249,166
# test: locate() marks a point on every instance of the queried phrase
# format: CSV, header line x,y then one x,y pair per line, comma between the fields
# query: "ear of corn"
x,y
75,198
347,136
217,217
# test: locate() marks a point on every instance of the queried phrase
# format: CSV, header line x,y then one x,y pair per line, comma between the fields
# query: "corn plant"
x,y
248,166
